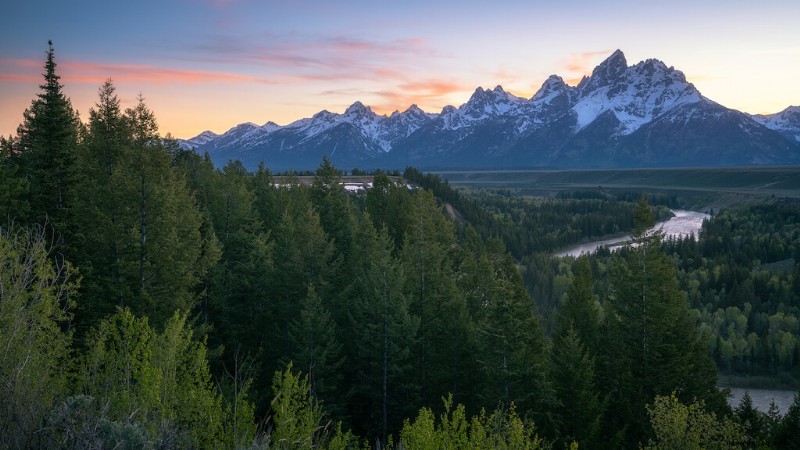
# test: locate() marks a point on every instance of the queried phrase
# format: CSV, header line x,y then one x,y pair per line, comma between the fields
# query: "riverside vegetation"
x,y
150,300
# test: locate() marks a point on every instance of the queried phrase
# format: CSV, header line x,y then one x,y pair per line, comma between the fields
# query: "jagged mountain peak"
x,y
358,109
613,66
448,109
620,116
551,88
414,109
634,95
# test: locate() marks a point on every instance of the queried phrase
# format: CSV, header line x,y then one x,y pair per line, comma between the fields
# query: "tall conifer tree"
x,y
653,346
48,138
382,333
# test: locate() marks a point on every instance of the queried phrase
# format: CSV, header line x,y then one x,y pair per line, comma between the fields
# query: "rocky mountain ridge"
x,y
644,115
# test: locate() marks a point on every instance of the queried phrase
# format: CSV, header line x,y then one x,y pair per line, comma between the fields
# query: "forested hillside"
x,y
151,300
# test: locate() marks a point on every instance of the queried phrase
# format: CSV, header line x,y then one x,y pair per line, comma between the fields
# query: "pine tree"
x,y
786,433
303,257
446,332
390,206
138,232
100,231
48,137
652,346
578,410
580,308
164,222
752,421
382,333
314,347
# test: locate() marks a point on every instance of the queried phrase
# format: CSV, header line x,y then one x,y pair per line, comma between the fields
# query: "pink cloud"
x,y
316,54
20,78
96,73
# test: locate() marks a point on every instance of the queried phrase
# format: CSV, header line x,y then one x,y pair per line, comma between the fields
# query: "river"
x,y
763,397
683,223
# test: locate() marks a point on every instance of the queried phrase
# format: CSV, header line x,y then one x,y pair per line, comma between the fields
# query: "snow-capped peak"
x,y
270,126
607,72
786,122
358,109
203,137
483,105
551,88
635,94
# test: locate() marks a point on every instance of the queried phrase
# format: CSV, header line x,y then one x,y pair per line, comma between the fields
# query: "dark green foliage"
x,y
446,334
47,142
314,348
13,185
579,406
580,310
652,345
137,231
789,428
754,422
382,334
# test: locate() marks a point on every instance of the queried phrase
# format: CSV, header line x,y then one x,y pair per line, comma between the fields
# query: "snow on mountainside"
x,y
482,106
620,116
636,95
786,122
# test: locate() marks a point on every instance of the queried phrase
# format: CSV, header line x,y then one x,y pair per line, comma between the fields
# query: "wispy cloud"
x,y
95,73
309,55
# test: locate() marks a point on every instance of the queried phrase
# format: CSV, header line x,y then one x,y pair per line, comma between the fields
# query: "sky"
x,y
213,64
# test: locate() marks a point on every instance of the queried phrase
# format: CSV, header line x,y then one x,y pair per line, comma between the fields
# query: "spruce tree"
x,y
446,332
48,137
137,227
580,307
314,348
652,346
382,333
578,409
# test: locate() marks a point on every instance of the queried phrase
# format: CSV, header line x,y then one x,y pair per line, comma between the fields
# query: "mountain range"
x,y
644,115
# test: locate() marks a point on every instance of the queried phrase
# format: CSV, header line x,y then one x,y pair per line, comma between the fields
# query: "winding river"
x,y
683,223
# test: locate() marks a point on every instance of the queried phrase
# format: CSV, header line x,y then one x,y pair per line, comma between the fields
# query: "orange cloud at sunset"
x,y
430,95
581,64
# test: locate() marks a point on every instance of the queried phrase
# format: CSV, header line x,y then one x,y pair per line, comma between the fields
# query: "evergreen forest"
x,y
151,300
